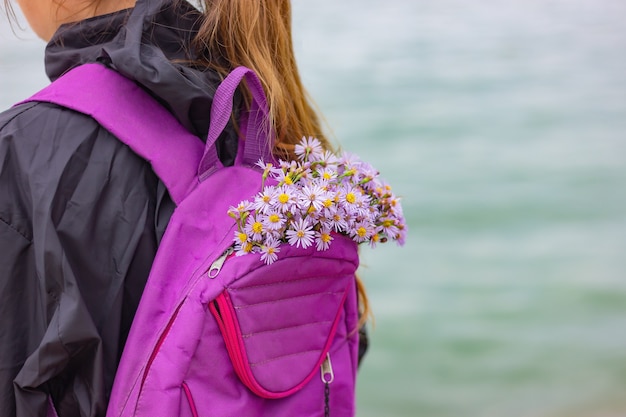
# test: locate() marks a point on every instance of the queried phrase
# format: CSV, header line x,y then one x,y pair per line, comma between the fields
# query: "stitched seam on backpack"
x,y
288,281
239,307
283,356
280,329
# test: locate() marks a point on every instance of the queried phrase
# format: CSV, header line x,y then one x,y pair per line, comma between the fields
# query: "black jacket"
x,y
81,215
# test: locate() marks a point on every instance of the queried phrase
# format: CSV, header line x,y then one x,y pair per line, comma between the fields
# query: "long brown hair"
x,y
257,34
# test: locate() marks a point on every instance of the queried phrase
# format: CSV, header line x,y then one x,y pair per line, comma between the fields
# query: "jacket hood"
x,y
149,44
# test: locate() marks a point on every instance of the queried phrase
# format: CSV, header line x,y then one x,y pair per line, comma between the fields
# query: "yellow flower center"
x,y
266,199
300,233
288,180
248,247
283,198
311,210
350,198
325,237
242,237
328,203
257,227
388,223
361,231
274,218
326,176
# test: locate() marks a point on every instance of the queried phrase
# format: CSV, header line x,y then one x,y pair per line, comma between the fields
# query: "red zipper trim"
x,y
159,344
192,404
224,312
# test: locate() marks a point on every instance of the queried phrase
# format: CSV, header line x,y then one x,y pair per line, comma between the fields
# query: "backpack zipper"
x,y
226,321
328,376
216,266
159,343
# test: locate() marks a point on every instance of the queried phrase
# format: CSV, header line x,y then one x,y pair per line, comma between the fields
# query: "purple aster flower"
x,y
327,174
287,166
274,221
388,227
348,197
401,236
301,234
242,207
265,199
367,174
329,207
361,231
285,199
374,240
311,195
267,167
240,238
254,228
323,239
243,245
355,202
327,158
308,147
394,206
348,164
364,207
269,251
348,159
284,177
337,222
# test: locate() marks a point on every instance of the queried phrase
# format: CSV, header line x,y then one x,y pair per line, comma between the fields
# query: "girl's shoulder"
x,y
52,153
32,119
54,132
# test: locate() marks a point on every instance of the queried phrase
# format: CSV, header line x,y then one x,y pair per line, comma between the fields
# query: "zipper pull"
x,y
327,370
216,266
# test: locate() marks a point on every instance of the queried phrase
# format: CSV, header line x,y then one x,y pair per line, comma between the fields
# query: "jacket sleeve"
x,y
77,240
19,304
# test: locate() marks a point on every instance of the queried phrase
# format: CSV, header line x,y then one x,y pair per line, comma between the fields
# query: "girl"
x,y
81,216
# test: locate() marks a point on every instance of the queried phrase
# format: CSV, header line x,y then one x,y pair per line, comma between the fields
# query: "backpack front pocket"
x,y
278,322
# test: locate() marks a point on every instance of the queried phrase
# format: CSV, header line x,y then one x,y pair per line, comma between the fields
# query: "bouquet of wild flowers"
x,y
315,197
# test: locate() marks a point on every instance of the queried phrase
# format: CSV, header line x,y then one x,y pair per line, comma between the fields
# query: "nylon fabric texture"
x,y
287,318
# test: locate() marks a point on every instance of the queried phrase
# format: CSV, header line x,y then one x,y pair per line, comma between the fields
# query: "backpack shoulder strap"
x,y
136,118
255,123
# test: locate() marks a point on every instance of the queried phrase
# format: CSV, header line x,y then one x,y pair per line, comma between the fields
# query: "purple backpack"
x,y
215,334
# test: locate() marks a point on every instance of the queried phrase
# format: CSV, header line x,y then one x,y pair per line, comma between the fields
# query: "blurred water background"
x,y
503,126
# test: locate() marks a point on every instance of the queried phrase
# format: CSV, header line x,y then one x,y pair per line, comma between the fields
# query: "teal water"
x,y
503,126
